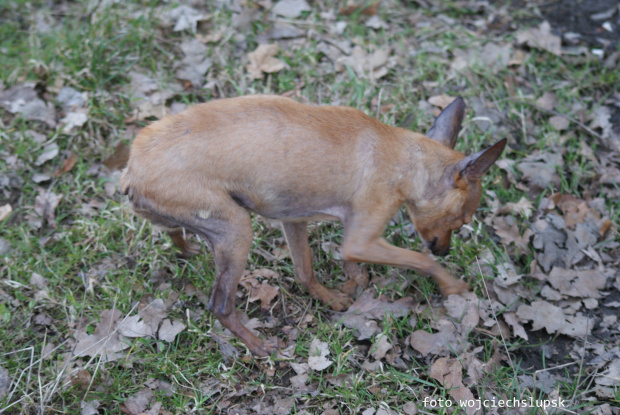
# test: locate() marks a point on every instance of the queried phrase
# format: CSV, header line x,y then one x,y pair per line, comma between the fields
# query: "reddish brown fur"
x,y
296,163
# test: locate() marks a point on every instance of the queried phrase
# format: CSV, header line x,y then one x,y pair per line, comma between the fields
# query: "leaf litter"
x,y
568,238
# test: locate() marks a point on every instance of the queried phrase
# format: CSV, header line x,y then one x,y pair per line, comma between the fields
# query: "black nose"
x,y
432,245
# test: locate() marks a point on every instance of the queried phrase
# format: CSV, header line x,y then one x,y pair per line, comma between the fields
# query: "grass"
x,y
102,257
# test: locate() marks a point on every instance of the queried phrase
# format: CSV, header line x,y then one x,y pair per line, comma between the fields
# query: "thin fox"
x,y
204,168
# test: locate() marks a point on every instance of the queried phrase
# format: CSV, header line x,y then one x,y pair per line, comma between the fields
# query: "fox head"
x,y
453,200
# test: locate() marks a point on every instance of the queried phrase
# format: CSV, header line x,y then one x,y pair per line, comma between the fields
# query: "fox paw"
x,y
456,287
189,250
333,298
264,348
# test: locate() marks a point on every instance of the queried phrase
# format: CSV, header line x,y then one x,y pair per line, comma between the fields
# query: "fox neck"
x,y
428,168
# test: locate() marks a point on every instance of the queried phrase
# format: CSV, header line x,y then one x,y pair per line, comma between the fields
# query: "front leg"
x,y
297,240
363,243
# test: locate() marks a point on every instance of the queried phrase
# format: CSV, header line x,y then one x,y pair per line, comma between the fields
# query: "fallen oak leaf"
x,y
138,403
351,8
543,315
438,343
195,64
464,308
105,341
441,101
361,315
49,152
72,120
578,283
265,293
541,38
449,373
67,165
380,347
169,330
45,204
291,8
506,228
517,329
318,352
263,60
146,322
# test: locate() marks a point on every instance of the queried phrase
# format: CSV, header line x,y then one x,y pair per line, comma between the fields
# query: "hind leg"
x,y
229,235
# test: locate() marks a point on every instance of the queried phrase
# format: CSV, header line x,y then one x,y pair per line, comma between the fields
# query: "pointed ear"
x,y
448,123
474,166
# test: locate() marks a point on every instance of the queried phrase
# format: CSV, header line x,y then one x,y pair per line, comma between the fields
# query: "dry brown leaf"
x,y
67,164
611,376
540,169
523,208
146,322
517,329
263,60
185,17
434,343
366,65
89,408
578,283
105,341
71,99
16,97
492,56
601,118
291,8
559,123
547,101
138,403
441,101
317,355
543,315
449,373
37,280
45,204
506,228
169,330
351,8
541,38
574,210
50,151
357,278
578,326
195,64
73,120
362,313
332,249
299,381
380,347
148,98
265,293
464,309
81,379
507,275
